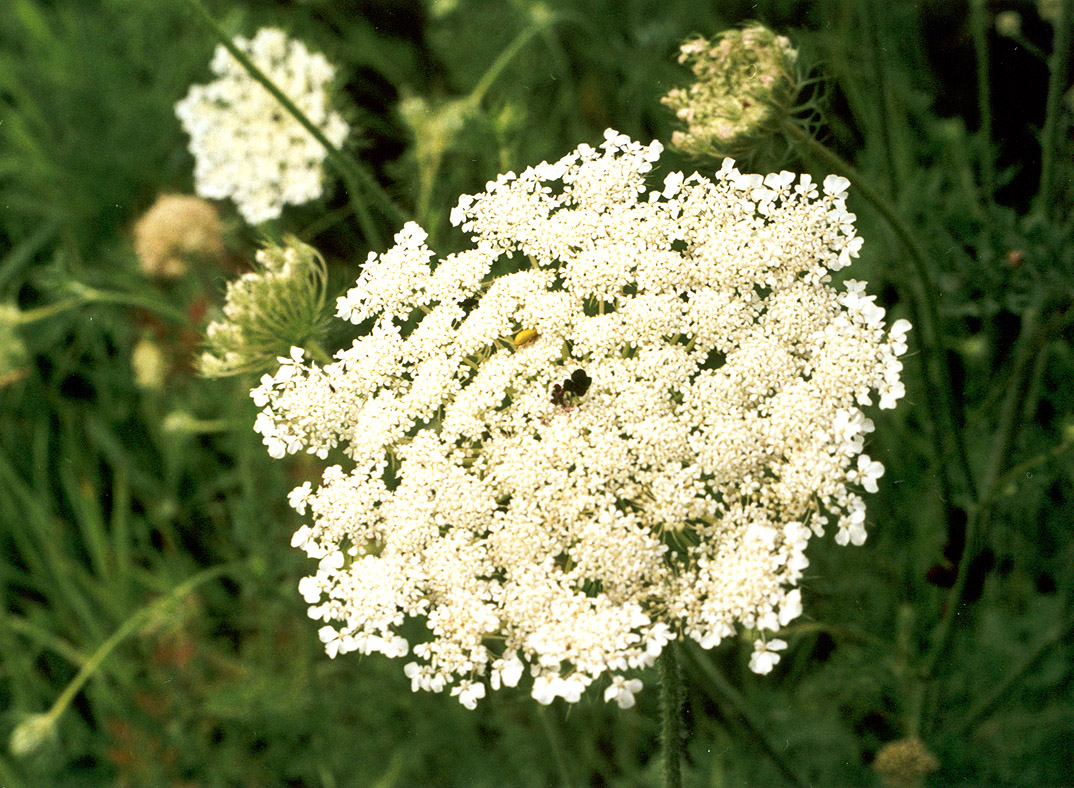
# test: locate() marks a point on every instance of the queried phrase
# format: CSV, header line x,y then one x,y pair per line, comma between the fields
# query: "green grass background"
x,y
106,506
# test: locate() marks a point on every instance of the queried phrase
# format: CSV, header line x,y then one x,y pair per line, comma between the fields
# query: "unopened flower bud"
x,y
268,311
149,365
177,230
905,763
745,83
1049,10
32,734
1009,23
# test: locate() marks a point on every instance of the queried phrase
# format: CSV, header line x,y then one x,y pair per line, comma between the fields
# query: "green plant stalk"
x,y
473,101
119,527
979,24
555,744
127,628
755,727
317,351
29,316
42,636
1032,339
1021,468
887,127
980,710
355,177
940,387
91,295
41,551
672,743
1058,65
504,59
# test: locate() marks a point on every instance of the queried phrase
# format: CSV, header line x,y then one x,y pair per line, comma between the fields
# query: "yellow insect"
x,y
526,336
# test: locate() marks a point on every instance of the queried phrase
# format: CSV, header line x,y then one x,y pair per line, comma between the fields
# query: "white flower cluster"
x,y
628,438
246,145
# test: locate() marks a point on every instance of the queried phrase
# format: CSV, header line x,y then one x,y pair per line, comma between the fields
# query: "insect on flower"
x,y
526,336
571,389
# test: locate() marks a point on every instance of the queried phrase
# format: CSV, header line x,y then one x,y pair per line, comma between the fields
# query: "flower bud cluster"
x,y
176,230
905,763
246,145
744,84
267,311
629,437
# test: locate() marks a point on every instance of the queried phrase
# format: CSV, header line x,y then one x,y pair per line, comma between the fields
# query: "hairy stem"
x,y
555,744
127,628
1032,340
979,24
671,734
986,705
1058,66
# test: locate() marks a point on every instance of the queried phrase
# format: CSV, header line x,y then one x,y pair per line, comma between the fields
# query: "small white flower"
x,y
506,672
765,656
299,498
310,589
867,472
468,693
791,607
335,642
836,186
622,691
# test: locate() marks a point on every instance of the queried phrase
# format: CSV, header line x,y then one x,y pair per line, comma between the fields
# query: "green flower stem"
x,y
29,316
940,387
1059,66
671,735
889,126
735,700
126,629
555,744
1029,47
1032,340
29,629
319,354
356,179
979,24
504,59
1057,634
86,295
1019,470
474,98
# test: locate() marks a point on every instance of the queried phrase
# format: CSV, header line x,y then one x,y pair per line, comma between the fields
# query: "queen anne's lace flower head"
x,y
246,146
629,438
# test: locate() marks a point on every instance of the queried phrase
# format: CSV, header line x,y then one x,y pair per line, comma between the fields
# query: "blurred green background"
x,y
115,491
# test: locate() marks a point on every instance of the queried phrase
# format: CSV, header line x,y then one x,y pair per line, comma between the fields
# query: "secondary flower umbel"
x,y
744,84
246,146
668,492
267,311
